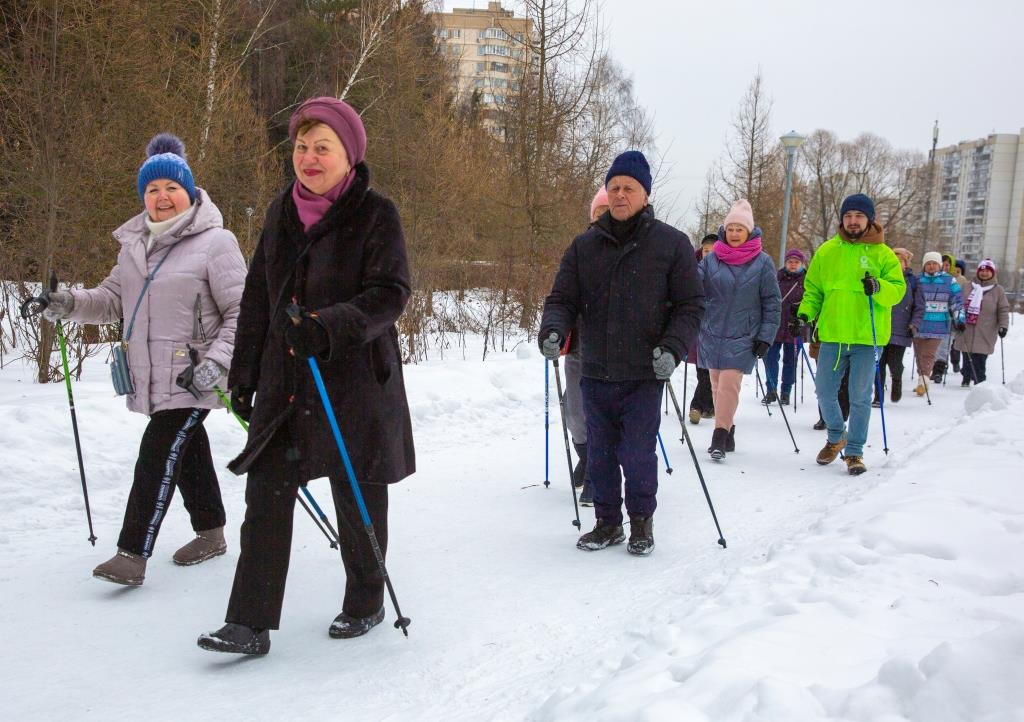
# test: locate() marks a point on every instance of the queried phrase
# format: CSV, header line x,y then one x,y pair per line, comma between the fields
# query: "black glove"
x,y
1002,333
241,402
796,325
871,285
761,348
308,337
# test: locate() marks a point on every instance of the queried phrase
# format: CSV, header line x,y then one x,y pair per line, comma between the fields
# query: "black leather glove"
x,y
871,284
761,348
241,402
796,325
308,337
1002,333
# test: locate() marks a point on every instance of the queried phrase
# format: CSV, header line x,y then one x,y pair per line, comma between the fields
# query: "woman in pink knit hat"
x,y
742,314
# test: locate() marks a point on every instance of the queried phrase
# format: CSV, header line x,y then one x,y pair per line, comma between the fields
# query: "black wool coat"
x,y
351,269
630,297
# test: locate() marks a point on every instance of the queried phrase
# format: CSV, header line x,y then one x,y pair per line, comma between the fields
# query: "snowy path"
x,y
510,621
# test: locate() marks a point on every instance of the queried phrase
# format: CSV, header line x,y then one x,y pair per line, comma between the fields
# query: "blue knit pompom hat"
x,y
166,160
632,163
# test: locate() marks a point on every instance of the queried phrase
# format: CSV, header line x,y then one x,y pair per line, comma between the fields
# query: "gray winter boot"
x,y
206,545
122,568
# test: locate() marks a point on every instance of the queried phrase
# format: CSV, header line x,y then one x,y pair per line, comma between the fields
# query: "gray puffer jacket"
x,y
204,263
742,306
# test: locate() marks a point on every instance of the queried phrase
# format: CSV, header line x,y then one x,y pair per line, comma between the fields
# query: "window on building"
x,y
500,67
481,67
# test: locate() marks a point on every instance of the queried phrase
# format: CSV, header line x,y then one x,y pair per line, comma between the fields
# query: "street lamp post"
x,y
791,140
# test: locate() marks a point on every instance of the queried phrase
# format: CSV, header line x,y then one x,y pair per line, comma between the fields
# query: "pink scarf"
x,y
313,207
744,253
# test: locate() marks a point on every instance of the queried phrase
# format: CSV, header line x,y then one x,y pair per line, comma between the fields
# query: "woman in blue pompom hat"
x,y
177,288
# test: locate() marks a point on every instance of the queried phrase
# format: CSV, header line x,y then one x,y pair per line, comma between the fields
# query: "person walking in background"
x,y
852,283
333,248
939,295
702,405
742,316
946,353
632,281
987,317
176,287
908,312
791,285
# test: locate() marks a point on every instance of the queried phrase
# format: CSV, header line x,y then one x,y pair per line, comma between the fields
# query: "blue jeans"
x,y
833,360
622,431
771,366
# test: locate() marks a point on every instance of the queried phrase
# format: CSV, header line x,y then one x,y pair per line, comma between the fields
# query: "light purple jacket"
x,y
204,262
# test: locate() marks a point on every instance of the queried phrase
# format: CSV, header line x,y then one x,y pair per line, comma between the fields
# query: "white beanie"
x,y
932,256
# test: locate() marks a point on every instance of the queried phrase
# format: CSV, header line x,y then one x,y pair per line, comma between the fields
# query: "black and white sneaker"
x,y
603,535
236,639
346,627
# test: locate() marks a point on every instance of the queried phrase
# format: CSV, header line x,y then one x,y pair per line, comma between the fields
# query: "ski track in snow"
x,y
894,595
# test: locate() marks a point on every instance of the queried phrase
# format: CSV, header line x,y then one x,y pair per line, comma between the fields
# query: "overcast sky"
x,y
891,67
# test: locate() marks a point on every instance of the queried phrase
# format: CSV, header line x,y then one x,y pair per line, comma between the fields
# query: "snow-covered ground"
x,y
895,595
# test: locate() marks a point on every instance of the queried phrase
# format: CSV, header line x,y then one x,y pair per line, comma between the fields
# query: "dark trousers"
x,y
771,366
622,431
954,355
257,594
703,400
973,366
175,452
891,358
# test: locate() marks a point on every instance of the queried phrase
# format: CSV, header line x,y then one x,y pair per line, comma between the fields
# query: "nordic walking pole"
x,y
686,373
807,362
402,622
547,424
696,465
565,434
796,449
795,351
666,404
767,407
1002,360
668,467
878,373
28,309
332,537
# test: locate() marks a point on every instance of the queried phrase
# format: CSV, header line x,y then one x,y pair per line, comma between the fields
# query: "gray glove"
x,y
664,363
551,347
60,305
207,374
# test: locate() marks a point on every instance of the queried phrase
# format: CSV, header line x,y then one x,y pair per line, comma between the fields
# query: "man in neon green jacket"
x,y
849,275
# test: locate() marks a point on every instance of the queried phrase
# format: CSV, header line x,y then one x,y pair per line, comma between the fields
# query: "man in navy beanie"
x,y
632,280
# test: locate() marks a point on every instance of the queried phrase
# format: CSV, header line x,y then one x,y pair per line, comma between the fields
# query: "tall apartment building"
x,y
978,202
490,50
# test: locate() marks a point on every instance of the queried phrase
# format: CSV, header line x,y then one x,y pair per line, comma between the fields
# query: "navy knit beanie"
x,y
858,202
166,160
632,163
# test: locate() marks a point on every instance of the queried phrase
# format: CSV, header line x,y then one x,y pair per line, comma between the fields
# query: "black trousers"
x,y
257,594
702,398
891,358
973,366
175,452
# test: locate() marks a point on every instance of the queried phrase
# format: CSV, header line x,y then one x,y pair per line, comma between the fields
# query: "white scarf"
x,y
977,296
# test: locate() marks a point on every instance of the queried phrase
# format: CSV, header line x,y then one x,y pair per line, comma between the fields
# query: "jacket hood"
x,y
203,216
872,236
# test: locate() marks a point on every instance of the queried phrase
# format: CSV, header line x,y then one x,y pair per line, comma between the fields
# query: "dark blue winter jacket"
x,y
907,312
629,296
743,306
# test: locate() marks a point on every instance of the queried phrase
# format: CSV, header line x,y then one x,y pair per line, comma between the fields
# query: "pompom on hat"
x,y
166,159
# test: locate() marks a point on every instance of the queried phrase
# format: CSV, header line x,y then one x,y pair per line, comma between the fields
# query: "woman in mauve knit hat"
x,y
328,281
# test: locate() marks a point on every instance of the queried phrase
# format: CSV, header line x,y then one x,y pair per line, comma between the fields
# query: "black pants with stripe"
x,y
175,452
257,594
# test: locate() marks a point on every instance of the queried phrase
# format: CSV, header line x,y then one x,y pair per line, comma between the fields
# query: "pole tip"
x,y
576,523
721,541
669,470
403,624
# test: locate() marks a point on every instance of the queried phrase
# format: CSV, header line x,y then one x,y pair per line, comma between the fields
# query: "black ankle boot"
x,y
346,627
579,473
730,442
718,441
236,639
641,535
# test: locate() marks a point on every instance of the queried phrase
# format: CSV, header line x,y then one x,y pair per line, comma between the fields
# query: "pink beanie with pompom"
x,y
600,199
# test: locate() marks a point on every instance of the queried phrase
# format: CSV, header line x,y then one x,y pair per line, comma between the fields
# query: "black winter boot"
x,y
580,472
346,627
641,535
938,371
604,534
896,391
730,442
236,639
718,441
784,398
770,397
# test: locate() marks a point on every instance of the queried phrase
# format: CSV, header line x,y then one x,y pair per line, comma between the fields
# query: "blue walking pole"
x,y
668,467
878,376
547,423
402,622
807,361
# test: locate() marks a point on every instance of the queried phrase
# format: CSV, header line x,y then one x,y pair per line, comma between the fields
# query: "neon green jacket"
x,y
834,294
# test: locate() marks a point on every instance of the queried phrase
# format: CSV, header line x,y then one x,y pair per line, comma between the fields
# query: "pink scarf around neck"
x,y
744,253
313,207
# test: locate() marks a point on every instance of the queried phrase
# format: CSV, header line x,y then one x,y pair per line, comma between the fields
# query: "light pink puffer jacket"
x,y
204,262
